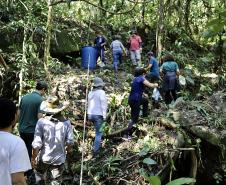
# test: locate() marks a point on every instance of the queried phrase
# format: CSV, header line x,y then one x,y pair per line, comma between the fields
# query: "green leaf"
x,y
149,161
213,22
182,180
154,180
144,151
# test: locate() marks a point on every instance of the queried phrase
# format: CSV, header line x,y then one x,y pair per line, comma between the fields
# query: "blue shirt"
x,y
169,66
137,89
98,41
154,71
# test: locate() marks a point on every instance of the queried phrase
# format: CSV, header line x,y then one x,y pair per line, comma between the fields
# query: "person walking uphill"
x,y
153,67
97,110
136,99
29,113
117,51
135,48
53,133
99,43
170,70
14,159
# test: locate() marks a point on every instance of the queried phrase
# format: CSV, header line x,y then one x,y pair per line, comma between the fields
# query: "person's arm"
x,y
104,104
69,139
104,41
34,156
18,178
148,84
123,48
37,143
177,70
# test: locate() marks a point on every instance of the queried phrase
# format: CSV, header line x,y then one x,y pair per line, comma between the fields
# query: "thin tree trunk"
x,y
47,39
24,59
159,28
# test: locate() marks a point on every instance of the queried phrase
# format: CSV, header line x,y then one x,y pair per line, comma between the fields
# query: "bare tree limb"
x,y
101,8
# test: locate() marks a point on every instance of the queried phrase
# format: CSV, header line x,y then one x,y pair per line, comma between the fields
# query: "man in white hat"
x,y
53,137
97,110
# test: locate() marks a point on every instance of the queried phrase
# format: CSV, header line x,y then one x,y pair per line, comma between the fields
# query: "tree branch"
x,y
101,8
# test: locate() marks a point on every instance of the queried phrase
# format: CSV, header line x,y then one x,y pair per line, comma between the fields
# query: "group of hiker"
x,y
134,46
46,136
169,69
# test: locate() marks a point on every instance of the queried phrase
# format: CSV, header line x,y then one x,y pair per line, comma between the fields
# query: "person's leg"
x,y
133,58
115,61
138,57
168,97
174,94
144,103
102,56
120,57
135,111
98,120
56,174
28,139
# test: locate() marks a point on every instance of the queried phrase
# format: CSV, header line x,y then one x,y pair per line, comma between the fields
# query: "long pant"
x,y
50,174
117,57
100,53
97,120
135,112
28,139
170,95
135,57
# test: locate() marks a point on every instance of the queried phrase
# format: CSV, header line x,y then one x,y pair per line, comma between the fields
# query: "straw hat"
x,y
53,106
98,82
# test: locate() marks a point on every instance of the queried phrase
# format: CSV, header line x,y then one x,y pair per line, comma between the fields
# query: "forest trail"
x,y
166,134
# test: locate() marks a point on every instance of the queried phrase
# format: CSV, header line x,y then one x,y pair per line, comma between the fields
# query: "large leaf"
x,y
154,180
149,161
213,22
182,180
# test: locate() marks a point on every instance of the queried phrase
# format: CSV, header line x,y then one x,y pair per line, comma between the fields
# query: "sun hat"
x,y
98,82
53,106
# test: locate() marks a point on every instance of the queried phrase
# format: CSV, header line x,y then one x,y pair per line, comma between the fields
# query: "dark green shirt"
x,y
29,109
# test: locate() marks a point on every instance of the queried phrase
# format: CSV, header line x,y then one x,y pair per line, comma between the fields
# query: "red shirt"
x,y
135,42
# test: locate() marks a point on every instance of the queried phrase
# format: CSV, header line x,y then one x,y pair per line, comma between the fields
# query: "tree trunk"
x,y
24,59
48,38
159,28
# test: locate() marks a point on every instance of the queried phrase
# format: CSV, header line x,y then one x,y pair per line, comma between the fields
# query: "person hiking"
x,y
117,51
135,48
99,43
136,99
14,159
53,137
97,110
170,70
153,68
29,113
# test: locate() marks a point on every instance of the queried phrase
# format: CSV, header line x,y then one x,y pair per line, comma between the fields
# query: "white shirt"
x,y
50,138
13,157
97,103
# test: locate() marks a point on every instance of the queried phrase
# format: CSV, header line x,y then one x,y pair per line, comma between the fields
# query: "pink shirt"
x,y
135,42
